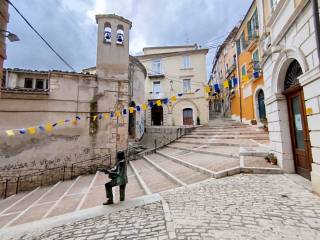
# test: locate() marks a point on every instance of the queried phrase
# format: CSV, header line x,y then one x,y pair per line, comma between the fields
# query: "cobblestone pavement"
x,y
237,207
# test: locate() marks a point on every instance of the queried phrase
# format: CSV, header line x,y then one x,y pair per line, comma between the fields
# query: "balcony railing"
x,y
156,95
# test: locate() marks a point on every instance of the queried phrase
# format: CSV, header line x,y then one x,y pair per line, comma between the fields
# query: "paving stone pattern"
x,y
239,207
146,222
245,207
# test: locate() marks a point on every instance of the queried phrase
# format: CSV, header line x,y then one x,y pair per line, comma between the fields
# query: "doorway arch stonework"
x,y
277,109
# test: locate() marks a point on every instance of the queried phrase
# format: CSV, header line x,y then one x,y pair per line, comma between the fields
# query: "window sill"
x,y
25,91
190,68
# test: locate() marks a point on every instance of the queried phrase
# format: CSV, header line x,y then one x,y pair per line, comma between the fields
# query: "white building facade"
x,y
292,85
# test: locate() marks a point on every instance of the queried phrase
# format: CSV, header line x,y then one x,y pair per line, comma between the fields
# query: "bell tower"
x,y
112,69
113,47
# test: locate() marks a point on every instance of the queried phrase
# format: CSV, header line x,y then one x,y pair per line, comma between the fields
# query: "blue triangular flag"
x,y
138,108
22,131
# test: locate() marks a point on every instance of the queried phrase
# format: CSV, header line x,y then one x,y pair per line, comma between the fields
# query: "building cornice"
x,y
172,54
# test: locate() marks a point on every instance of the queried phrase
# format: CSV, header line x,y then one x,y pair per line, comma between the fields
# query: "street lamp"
x,y
11,36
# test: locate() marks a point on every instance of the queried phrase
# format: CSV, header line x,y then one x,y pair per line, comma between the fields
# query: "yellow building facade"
x,y
247,101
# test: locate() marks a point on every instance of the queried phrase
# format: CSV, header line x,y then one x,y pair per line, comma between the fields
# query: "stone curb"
x,y
38,227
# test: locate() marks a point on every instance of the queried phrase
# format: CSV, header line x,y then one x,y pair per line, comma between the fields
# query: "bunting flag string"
x,y
50,126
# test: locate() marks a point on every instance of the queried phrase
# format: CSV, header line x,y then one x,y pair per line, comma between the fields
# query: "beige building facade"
x,y
292,82
80,108
176,71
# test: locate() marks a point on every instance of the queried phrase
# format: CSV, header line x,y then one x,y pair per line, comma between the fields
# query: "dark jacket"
x,y
118,175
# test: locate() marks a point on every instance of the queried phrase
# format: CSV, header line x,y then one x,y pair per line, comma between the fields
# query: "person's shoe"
x,y
109,202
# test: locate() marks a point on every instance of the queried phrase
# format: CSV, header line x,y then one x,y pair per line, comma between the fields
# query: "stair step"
x,y
210,162
185,174
156,181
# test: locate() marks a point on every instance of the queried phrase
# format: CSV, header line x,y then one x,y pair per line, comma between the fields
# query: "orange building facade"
x,y
247,100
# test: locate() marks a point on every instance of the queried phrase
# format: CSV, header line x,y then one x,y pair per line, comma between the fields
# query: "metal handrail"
x,y
14,184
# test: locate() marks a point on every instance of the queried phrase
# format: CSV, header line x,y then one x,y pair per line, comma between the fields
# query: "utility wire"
x,y
44,40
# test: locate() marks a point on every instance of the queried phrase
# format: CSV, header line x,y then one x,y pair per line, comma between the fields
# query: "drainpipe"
x,y
316,24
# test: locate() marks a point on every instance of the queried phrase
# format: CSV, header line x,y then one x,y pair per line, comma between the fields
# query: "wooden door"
x,y
187,116
299,132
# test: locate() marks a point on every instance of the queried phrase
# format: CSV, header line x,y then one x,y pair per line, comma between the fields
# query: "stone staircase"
x,y
209,151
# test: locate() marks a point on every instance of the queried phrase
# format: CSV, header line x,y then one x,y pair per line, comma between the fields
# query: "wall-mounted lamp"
x,y
11,36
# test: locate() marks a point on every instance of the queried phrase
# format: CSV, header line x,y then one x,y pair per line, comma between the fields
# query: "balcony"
x,y
156,75
254,71
231,69
252,41
156,95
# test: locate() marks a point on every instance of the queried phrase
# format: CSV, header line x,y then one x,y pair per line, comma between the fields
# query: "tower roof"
x,y
114,16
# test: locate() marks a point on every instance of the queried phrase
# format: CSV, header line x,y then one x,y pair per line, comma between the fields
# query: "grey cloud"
x,y
68,28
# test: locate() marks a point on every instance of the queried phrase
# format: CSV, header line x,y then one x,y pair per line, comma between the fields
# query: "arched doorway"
x,y
298,120
157,115
261,105
132,121
187,114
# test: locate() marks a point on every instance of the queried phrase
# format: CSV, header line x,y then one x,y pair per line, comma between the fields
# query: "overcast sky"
x,y
69,25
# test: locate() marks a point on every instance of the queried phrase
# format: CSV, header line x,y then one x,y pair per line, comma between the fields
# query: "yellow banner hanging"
x,y
60,122
159,103
118,113
245,78
74,121
207,89
173,99
95,118
226,84
10,133
48,127
131,109
106,115
32,130
144,106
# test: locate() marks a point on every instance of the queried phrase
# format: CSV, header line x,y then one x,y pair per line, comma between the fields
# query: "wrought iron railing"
x,y
16,181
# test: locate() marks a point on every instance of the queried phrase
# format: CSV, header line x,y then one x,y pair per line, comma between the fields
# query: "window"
x,y
40,84
186,62
242,42
156,87
120,35
156,67
243,70
255,59
107,33
186,86
238,47
273,4
28,83
253,25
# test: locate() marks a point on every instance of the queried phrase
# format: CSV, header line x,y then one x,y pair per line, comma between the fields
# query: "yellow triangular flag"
x,y
173,99
245,78
207,89
48,127
10,133
32,130
95,118
159,103
118,113
131,109
60,122
106,115
74,121
226,84
144,106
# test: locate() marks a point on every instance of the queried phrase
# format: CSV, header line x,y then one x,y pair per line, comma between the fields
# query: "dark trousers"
x,y
109,186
